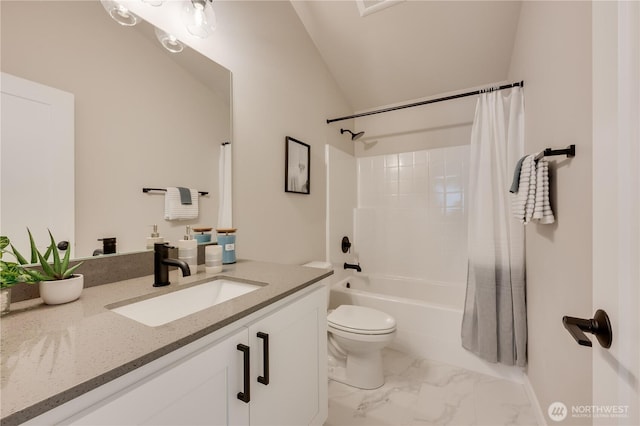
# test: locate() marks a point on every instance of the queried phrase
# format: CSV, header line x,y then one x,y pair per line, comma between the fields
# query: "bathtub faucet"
x,y
350,266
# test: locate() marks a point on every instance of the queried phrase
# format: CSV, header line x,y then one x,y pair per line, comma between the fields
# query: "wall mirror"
x,y
144,117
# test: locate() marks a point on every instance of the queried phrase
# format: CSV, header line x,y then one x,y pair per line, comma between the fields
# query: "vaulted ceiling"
x,y
413,49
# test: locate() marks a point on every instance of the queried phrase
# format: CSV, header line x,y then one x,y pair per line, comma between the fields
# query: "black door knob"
x,y
599,325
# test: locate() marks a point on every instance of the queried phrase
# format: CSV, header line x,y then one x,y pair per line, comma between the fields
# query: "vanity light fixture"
x,y
119,13
199,17
169,41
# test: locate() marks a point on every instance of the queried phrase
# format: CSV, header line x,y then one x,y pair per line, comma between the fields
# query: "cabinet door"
x,y
200,389
297,377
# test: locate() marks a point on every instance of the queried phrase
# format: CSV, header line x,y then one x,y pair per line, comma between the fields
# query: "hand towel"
x,y
185,195
542,210
175,210
516,176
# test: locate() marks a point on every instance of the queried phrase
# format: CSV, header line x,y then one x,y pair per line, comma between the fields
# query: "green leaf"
x,y
56,255
71,270
19,257
65,261
48,270
47,253
37,276
34,249
4,242
11,274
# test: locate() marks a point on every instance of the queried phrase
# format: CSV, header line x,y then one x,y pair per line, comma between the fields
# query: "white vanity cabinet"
x,y
194,391
203,383
296,393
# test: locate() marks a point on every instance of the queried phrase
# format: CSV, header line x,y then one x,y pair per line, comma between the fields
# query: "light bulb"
x,y
119,13
199,17
169,41
153,2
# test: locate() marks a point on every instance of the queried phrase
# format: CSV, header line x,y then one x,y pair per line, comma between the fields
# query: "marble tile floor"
x,y
424,392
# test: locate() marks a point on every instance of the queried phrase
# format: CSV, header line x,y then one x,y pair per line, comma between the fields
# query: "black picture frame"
x,y
297,173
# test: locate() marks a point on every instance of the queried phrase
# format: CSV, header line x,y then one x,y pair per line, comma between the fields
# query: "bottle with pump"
x,y
154,238
188,251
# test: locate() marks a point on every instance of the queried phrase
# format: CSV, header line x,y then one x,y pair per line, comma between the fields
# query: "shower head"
x,y
354,136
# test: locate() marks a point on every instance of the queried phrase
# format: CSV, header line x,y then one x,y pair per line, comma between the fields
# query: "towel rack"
x,y
570,151
165,190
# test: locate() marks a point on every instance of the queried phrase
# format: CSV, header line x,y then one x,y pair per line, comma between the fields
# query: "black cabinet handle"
x,y
245,396
265,358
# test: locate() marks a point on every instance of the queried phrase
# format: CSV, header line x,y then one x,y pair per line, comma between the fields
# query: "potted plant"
x,y
11,273
58,283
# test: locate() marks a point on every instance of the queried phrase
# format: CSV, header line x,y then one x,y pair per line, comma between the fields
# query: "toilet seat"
x,y
361,320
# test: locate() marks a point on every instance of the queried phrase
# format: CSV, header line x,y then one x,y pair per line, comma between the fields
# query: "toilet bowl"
x,y
355,338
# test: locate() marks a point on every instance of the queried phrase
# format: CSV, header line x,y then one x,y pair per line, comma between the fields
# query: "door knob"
x,y
599,325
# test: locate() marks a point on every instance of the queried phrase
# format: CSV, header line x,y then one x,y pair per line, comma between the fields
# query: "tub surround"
x,y
51,355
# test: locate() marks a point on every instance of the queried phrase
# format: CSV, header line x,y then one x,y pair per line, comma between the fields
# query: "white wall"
x,y
552,54
281,87
430,126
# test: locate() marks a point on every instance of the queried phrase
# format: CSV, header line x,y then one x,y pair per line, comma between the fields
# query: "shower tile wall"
x,y
411,218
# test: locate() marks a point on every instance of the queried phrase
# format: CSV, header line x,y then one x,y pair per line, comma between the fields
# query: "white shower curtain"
x,y
494,324
225,201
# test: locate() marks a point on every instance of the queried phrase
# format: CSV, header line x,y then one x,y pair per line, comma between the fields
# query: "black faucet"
x,y
350,266
161,263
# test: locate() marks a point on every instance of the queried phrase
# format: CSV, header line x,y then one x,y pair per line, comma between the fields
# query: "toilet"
x,y
356,336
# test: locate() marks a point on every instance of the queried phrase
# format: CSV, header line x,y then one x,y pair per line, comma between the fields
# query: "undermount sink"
x,y
169,307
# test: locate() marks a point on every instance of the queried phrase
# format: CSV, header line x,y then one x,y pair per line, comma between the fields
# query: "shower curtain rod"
x,y
430,101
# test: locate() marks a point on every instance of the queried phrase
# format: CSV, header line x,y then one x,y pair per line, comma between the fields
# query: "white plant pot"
x,y
61,291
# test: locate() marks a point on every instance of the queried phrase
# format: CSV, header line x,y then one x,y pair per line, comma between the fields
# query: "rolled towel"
x,y
520,200
543,212
175,210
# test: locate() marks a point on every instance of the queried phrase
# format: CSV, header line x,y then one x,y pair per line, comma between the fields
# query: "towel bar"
x,y
165,190
569,152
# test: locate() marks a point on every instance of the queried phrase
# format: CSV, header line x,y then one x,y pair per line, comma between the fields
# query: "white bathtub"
x,y
428,317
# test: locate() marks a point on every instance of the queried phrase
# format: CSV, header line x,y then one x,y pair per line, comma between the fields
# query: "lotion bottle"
x,y
188,251
154,238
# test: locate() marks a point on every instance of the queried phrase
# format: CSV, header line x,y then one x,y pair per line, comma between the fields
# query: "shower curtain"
x,y
494,324
224,203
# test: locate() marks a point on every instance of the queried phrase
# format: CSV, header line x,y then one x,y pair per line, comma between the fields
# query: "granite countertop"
x,y
52,354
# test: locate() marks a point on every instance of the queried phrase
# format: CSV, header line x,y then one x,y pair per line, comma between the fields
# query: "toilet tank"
x,y
326,281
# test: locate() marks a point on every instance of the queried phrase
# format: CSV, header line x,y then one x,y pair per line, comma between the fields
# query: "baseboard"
x,y
541,420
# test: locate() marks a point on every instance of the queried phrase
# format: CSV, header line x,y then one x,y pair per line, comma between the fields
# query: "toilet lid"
x,y
360,319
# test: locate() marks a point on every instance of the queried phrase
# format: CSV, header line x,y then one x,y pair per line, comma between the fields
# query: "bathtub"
x,y
428,317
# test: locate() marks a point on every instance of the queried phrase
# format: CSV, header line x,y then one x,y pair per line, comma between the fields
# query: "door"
x,y
288,385
616,208
36,163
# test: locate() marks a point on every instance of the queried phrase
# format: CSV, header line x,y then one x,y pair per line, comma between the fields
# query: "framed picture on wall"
x,y
296,169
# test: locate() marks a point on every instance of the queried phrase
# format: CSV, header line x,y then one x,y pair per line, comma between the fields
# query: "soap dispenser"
x,y
154,238
188,251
